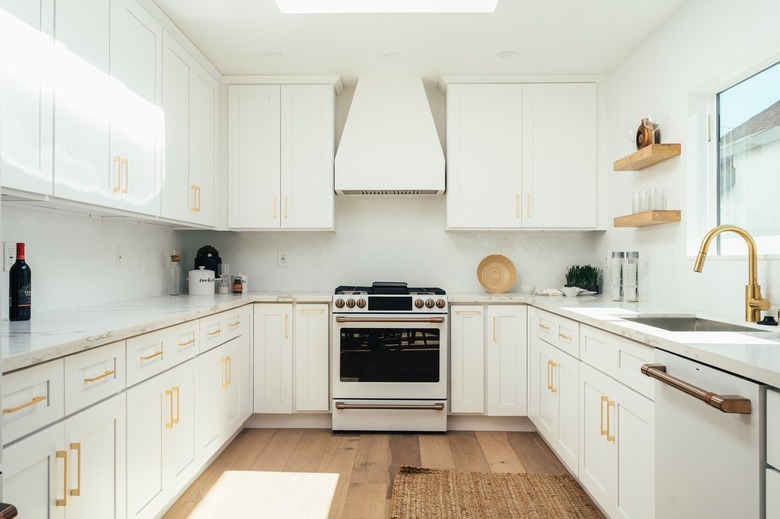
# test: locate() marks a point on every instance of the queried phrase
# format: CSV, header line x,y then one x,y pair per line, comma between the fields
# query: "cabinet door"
x,y
559,155
507,353
253,157
203,153
136,121
82,86
26,95
311,358
547,420
209,431
307,150
273,358
34,474
535,378
484,141
467,360
95,439
247,365
233,355
565,380
179,428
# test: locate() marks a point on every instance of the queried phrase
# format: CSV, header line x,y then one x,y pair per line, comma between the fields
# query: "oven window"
x,y
389,355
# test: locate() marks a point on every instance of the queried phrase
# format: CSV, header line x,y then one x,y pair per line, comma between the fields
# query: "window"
x,y
748,147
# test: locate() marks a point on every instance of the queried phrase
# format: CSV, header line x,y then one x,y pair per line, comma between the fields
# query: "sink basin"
x,y
688,324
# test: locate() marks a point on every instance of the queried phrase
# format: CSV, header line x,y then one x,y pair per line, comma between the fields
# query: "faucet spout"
x,y
754,303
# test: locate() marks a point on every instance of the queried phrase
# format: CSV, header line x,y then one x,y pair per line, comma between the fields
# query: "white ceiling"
x,y
549,37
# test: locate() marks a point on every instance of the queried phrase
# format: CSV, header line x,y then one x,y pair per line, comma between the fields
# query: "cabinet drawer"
x,y
154,352
772,493
619,358
93,375
559,331
773,428
219,328
32,398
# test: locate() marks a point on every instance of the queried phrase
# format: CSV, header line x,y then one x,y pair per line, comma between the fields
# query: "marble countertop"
x,y
56,334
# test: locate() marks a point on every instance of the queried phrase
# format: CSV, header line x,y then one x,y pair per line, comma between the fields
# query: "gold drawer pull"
x,y
77,447
153,355
64,500
215,332
234,323
186,343
544,327
178,406
553,365
468,312
25,405
564,337
169,394
104,375
604,430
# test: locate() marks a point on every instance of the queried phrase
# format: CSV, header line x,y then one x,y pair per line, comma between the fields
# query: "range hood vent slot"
x,y
389,145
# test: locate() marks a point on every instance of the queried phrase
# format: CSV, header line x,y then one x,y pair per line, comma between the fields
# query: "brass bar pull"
x,y
224,383
77,447
186,343
725,403
549,376
153,355
467,312
215,332
126,163
104,375
194,207
564,337
517,206
438,406
286,334
610,437
230,371
64,501
604,430
35,400
389,320
544,327
169,394
198,192
528,205
553,365
178,405
235,323
117,174
494,329
312,310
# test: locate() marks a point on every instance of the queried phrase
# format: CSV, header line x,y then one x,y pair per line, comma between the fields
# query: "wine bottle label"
x,y
24,296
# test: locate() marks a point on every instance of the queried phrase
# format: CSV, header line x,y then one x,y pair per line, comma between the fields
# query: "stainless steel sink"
x,y
688,324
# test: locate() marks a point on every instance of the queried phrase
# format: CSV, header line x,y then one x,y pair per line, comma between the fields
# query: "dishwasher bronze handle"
x,y
389,320
726,403
438,406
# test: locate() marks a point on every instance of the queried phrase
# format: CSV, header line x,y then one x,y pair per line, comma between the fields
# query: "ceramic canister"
x,y
201,281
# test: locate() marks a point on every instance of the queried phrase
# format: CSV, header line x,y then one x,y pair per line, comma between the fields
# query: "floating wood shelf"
x,y
648,218
646,157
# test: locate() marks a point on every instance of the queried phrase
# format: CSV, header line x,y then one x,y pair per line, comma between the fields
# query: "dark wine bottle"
x,y
20,287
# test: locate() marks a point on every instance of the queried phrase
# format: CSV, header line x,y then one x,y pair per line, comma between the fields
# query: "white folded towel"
x,y
548,292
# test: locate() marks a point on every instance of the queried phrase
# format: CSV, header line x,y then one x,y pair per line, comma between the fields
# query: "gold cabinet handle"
x,y
548,374
544,327
553,365
274,206
126,163
494,329
186,343
178,406
235,323
117,174
610,437
35,400
230,371
77,447
285,207
604,430
517,206
64,456
195,198
286,334
528,205
153,355
467,312
224,383
99,377
169,394
215,332
564,337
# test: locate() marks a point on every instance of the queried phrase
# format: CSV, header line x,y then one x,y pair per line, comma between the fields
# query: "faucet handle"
x,y
760,304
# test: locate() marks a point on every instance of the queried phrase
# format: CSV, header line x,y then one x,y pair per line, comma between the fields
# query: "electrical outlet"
x,y
119,258
9,254
281,259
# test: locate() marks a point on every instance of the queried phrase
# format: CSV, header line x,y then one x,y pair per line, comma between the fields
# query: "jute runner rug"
x,y
420,493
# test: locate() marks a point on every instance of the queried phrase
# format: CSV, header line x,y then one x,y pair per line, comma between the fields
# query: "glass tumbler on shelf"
x,y
658,197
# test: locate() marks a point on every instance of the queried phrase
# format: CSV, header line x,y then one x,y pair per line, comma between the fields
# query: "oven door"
x,y
389,356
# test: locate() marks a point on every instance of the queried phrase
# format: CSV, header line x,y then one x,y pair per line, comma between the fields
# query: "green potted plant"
x,y
583,276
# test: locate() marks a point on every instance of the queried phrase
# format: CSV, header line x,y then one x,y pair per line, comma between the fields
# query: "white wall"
x,y
708,42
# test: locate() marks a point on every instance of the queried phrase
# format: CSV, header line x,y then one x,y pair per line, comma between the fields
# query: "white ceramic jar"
x,y
201,282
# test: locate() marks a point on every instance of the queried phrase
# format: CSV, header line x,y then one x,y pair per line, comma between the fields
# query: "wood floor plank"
x,y
371,459
365,501
435,452
339,458
536,455
277,451
498,452
404,450
309,451
467,452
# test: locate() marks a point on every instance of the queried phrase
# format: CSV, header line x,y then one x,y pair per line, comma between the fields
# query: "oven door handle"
x,y
438,406
725,403
435,320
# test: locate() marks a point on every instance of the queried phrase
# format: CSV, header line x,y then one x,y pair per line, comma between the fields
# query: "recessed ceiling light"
x,y
386,6
507,54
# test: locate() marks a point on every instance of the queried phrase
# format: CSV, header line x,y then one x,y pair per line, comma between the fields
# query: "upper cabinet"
x,y
281,150
516,152
189,101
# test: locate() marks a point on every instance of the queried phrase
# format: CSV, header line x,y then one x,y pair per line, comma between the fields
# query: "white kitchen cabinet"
x,y
273,358
161,455
508,166
189,101
488,351
32,399
617,446
26,95
281,149
311,357
75,468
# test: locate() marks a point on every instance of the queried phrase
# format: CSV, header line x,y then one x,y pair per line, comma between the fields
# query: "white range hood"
x,y
389,145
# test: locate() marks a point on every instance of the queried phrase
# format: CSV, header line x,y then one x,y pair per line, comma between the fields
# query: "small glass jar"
x,y
174,275
616,275
631,276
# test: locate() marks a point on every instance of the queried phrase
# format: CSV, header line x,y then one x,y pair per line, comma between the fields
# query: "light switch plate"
x,y
281,260
9,255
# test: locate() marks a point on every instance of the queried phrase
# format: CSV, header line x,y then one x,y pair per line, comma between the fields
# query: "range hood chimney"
x,y
389,144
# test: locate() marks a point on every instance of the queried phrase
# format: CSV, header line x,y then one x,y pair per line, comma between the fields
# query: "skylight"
x,y
386,6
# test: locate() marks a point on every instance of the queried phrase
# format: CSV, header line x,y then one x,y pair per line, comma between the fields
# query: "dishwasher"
x,y
709,441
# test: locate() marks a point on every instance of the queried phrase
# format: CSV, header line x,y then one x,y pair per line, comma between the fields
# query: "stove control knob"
x,y
440,303
339,303
419,303
350,303
429,303
361,303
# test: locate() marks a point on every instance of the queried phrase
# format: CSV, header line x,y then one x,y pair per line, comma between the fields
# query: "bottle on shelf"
x,y
631,277
174,275
20,288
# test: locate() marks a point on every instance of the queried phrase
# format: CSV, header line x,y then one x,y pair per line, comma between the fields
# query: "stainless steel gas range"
x,y
389,358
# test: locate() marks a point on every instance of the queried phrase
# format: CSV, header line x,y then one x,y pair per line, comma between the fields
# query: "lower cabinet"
x,y
617,447
75,468
161,453
488,360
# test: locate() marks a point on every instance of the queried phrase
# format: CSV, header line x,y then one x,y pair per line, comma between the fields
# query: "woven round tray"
x,y
496,273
